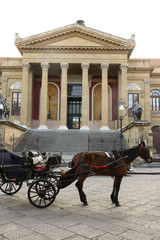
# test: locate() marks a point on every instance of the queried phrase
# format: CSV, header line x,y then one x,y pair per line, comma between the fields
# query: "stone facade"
x,y
77,55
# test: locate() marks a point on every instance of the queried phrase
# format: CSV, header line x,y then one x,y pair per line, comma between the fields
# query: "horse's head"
x,y
145,153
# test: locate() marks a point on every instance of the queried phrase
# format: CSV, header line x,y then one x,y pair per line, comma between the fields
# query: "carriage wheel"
x,y
10,188
41,193
54,182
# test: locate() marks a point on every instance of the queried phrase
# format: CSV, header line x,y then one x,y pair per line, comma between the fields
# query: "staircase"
x,y
70,141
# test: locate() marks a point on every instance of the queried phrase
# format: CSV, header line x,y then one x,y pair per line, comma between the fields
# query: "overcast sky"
x,y
121,18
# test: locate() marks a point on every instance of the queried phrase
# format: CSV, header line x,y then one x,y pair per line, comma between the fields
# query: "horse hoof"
x,y
85,204
118,204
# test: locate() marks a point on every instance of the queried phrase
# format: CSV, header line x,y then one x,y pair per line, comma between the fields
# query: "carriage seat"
x,y
10,163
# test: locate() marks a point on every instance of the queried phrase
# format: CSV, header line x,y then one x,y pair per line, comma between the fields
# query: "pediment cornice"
x,y
104,40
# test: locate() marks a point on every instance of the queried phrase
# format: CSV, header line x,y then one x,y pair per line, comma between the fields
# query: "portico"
x,y
72,78
38,77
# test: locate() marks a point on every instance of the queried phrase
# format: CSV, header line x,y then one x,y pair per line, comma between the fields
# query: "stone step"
x,y
70,141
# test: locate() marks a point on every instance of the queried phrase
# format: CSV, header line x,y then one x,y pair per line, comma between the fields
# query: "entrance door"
x,y
74,92
74,113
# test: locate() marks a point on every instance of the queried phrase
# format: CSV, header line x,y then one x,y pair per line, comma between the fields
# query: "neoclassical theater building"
x,y
74,76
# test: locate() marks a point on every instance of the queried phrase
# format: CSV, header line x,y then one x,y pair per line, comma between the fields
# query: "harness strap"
x,y
111,156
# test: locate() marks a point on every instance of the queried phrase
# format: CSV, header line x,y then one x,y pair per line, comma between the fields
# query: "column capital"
x,y
64,66
45,66
124,67
104,66
85,65
26,66
4,80
147,82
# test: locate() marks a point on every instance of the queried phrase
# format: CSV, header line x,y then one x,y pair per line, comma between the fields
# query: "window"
x,y
16,104
155,100
131,98
74,90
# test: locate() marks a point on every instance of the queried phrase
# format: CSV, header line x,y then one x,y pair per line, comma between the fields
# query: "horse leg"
x,y
79,185
113,192
117,187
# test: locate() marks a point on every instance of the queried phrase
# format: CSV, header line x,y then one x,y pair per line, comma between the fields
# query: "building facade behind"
x,y
73,78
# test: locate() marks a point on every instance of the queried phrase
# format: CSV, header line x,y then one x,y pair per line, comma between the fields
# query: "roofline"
x,y
32,37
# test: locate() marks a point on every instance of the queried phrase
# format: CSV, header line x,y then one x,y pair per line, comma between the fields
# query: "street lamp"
x,y
122,113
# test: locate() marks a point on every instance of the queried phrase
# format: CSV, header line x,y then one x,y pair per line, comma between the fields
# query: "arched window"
x,y
155,100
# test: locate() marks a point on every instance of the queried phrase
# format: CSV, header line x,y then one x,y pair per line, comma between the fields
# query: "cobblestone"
x,y
67,219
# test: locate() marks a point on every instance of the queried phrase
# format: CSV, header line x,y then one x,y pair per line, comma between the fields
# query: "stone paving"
x,y
138,217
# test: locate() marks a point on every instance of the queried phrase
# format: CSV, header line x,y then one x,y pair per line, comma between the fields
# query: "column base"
x,y
84,128
104,128
62,127
43,127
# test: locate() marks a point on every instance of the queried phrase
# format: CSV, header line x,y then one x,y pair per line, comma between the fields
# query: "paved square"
x,y
138,217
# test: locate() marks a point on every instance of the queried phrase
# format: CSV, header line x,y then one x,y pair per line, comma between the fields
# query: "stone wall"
x,y
10,134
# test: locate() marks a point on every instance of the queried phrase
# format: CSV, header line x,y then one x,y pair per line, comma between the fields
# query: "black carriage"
x,y
36,170
44,182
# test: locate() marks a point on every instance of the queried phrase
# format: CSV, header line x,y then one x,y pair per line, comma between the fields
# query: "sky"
x,y
121,18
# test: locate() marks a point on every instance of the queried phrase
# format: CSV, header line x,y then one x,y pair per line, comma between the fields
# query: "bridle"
x,y
145,155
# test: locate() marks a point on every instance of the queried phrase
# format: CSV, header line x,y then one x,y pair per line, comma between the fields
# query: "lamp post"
x,y
122,113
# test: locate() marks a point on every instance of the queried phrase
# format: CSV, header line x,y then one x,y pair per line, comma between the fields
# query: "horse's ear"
x,y
142,143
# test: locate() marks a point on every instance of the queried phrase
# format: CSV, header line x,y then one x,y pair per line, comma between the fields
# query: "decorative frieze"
x,y
133,87
155,113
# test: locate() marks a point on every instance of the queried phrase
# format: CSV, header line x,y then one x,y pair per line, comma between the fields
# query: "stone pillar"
x,y
24,98
104,106
44,95
30,93
147,109
123,89
63,111
4,87
85,97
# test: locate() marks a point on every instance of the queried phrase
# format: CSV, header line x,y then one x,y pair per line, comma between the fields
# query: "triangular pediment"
x,y
74,36
74,41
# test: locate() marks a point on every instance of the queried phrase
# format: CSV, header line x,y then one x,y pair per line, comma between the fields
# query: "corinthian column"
x,y
85,97
24,99
63,114
44,95
104,106
123,88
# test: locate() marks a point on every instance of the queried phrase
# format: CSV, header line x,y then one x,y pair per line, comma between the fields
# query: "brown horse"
x,y
114,164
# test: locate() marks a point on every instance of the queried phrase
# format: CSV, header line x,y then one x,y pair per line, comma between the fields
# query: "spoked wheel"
x,y
54,182
41,193
10,188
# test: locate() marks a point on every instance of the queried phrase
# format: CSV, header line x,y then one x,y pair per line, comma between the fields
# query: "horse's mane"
x,y
130,152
